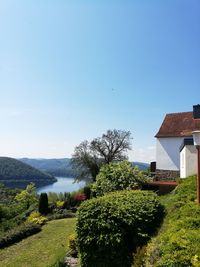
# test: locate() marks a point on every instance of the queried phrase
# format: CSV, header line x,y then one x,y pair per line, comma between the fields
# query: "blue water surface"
x,y
63,184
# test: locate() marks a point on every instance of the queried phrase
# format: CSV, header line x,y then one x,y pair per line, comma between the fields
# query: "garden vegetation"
x,y
118,176
177,244
111,227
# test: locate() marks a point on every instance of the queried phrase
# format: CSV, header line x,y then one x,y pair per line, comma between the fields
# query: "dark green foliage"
x,y
17,234
111,227
7,195
177,244
43,203
118,176
70,200
87,191
14,173
12,211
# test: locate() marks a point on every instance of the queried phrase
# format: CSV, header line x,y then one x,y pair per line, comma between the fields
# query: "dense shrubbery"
x,y
18,234
109,228
177,244
68,200
15,206
118,176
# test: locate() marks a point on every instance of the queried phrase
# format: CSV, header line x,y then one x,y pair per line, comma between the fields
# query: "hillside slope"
x,y
141,165
177,243
14,173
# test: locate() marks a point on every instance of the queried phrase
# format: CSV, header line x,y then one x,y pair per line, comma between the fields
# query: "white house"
x,y
188,158
175,142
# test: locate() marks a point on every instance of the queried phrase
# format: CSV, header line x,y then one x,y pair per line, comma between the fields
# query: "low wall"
x,y
166,175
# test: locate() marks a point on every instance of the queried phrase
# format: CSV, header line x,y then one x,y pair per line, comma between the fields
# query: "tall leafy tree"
x,y
88,157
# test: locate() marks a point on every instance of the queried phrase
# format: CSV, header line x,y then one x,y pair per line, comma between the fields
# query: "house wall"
x,y
188,161
168,153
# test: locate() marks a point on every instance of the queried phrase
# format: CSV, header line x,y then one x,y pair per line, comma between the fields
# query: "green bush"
x,y
60,204
86,190
36,218
177,244
118,176
17,234
111,227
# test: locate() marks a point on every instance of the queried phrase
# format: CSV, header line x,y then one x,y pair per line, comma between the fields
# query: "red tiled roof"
x,y
178,125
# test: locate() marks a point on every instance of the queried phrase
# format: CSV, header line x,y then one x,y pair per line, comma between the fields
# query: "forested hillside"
x,y
63,167
55,167
14,173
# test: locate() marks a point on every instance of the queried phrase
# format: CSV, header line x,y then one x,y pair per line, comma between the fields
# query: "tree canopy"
x,y
88,157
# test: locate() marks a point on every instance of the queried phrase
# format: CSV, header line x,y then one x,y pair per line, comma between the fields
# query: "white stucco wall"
x,y
168,153
188,161
182,163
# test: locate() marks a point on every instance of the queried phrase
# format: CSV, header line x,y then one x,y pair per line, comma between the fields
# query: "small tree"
x,y
118,176
28,196
43,203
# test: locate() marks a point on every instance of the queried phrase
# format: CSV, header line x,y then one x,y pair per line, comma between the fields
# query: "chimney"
x,y
196,111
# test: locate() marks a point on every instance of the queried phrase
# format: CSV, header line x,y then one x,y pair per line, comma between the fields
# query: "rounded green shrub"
x,y
111,227
118,176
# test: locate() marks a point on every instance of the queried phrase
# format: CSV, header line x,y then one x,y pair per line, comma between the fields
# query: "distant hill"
x,y
56,167
141,165
14,173
62,167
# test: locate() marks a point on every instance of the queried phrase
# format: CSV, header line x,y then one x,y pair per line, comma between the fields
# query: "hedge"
x,y
17,234
110,228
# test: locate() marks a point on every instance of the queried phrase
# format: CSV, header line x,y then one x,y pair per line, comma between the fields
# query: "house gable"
x,y
171,138
178,125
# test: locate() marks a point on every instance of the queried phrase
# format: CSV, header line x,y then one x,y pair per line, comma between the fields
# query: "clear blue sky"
x,y
70,70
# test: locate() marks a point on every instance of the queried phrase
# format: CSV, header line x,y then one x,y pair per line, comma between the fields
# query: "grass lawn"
x,y
42,249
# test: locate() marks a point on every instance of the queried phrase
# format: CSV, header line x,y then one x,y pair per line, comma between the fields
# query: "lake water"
x,y
63,184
